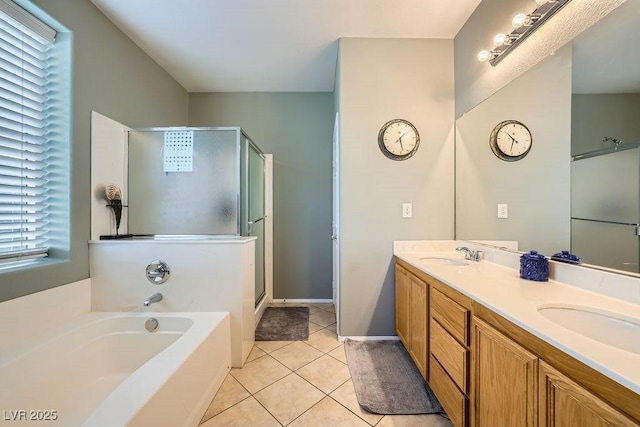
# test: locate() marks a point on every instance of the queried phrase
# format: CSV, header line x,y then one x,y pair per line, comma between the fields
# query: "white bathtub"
x,y
106,369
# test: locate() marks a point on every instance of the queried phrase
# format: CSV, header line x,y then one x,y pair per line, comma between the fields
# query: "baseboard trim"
x,y
303,301
341,338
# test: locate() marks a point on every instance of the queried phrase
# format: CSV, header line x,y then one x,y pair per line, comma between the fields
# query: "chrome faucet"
x,y
157,297
469,254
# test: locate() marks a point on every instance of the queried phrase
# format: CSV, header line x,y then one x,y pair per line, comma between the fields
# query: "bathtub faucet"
x,y
157,297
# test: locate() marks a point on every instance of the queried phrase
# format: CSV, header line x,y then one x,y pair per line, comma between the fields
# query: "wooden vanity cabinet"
x,y
488,372
505,380
449,351
564,403
403,297
418,324
411,316
433,323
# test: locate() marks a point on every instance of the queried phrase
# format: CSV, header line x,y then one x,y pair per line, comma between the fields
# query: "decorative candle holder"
x,y
565,256
534,266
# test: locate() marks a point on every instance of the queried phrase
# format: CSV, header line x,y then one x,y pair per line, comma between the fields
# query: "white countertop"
x,y
500,289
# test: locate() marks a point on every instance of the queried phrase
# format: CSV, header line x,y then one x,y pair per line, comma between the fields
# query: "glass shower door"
x,y
255,226
199,200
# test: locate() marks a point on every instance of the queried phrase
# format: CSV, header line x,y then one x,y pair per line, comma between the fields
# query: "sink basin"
x,y
613,329
435,260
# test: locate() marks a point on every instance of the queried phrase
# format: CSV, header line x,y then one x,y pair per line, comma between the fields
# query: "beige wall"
x,y
113,76
297,129
476,81
535,188
380,80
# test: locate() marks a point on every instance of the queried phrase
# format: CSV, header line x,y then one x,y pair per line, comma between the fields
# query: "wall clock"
x,y
398,139
510,140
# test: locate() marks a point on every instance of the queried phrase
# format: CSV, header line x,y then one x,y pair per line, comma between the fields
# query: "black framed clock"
x,y
510,140
398,139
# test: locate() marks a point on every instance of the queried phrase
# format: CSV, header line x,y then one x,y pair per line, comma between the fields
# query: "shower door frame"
x,y
245,215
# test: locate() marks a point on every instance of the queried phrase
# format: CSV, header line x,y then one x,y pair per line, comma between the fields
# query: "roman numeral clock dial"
x,y
398,139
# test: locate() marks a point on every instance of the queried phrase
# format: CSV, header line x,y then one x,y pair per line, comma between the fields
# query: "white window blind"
x,y
24,42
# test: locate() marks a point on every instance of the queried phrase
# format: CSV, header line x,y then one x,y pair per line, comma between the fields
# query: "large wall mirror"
x,y
578,187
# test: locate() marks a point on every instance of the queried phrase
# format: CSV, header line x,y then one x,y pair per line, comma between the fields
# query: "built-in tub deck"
x,y
106,369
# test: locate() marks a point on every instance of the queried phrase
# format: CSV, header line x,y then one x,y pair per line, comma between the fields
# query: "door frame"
x,y
335,219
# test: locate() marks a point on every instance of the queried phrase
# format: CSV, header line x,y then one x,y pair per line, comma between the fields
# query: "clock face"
x,y
398,139
510,140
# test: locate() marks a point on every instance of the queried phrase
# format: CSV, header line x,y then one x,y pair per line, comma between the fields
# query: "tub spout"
x,y
157,297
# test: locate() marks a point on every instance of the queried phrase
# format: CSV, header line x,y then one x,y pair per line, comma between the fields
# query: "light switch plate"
x,y
407,210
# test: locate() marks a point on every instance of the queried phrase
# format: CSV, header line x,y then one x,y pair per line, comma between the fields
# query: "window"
x,y
25,43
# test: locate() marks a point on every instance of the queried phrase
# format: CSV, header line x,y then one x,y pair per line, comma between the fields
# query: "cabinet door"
x,y
418,324
505,380
564,403
402,305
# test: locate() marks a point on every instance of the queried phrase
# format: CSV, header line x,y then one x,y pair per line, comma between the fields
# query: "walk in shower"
x,y
198,182
605,211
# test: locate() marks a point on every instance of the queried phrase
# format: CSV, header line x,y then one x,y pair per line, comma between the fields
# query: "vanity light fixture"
x,y
525,20
523,25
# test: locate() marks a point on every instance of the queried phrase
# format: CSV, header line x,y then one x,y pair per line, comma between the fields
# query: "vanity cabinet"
x,y
449,351
564,403
487,371
411,316
505,380
418,324
403,297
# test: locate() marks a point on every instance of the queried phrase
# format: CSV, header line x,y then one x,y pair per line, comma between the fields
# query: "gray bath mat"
x,y
284,324
386,380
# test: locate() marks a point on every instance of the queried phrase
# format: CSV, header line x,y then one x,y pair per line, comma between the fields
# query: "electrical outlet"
x,y
502,210
407,210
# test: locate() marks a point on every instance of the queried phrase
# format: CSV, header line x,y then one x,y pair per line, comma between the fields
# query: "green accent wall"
x,y
297,128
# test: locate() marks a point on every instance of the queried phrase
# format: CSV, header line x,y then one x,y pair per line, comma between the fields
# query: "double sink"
x,y
435,260
603,326
609,328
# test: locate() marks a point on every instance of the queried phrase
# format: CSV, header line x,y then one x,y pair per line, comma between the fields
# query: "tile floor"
x,y
300,383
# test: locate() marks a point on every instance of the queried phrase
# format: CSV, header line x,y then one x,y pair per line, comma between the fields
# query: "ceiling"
x,y
271,45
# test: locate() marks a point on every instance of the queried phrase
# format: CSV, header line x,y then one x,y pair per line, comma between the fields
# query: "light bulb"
x,y
484,55
519,20
500,39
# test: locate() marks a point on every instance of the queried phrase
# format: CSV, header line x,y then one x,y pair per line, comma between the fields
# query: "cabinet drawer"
x,y
451,399
453,357
451,315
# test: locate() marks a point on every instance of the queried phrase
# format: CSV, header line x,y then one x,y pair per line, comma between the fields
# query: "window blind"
x,y
23,134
